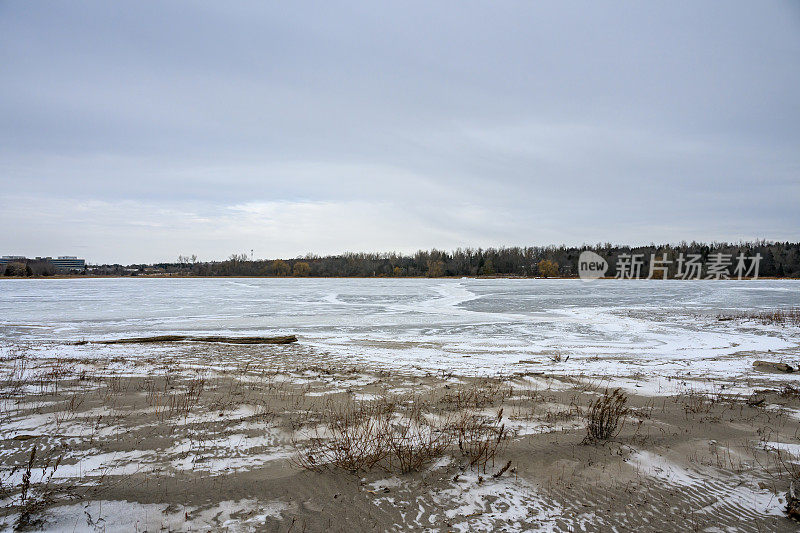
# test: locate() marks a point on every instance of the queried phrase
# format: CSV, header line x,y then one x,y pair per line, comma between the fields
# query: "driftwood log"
x,y
286,339
772,366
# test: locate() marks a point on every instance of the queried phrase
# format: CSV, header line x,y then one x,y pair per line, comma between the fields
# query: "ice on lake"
x,y
462,325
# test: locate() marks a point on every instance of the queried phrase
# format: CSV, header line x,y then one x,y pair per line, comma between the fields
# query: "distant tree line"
x,y
778,259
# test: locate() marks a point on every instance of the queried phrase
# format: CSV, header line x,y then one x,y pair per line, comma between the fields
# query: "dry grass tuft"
x,y
789,316
781,317
476,396
606,416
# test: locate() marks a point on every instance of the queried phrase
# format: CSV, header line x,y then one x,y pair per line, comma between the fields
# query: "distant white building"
x,y
68,262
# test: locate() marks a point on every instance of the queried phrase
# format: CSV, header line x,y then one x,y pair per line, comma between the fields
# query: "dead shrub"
x,y
171,401
695,402
353,438
480,438
412,441
606,416
482,394
397,435
30,495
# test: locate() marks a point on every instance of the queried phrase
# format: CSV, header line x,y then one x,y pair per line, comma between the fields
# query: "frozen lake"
x,y
457,324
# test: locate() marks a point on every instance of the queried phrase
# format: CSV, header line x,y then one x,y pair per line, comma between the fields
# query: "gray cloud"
x,y
135,131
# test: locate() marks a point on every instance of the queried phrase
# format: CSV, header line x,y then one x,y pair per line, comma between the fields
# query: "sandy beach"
x,y
213,441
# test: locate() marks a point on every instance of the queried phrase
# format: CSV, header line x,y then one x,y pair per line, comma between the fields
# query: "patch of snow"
x,y
506,503
730,491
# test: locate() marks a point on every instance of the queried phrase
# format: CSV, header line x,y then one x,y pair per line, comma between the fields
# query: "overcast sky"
x,y
137,131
